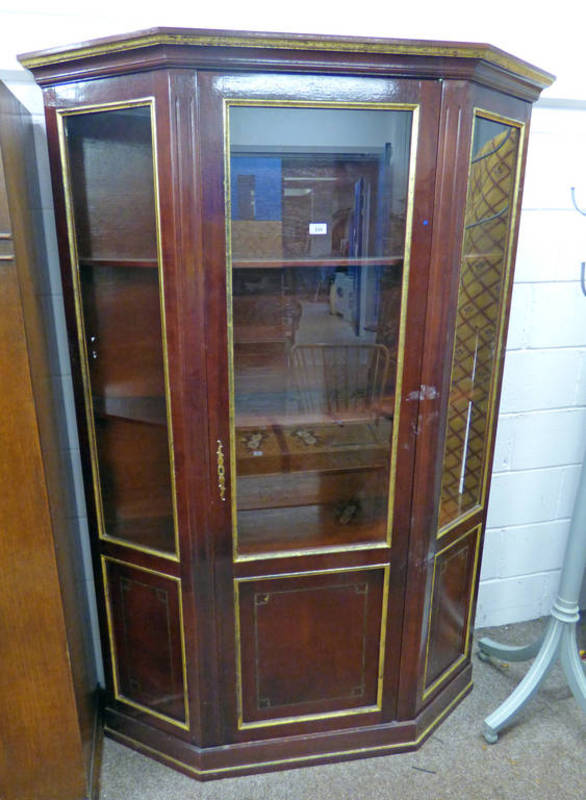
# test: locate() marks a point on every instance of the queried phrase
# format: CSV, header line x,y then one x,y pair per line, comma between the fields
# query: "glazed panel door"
x,y
317,207
484,134
107,174
123,276
317,202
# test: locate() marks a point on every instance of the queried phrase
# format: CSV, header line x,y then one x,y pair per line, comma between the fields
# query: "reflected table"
x,y
559,639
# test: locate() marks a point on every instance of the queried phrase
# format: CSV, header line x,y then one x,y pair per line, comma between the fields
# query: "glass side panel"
x,y
318,200
110,157
489,210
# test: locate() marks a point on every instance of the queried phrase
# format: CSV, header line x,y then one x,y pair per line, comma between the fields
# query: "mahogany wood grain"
x,y
147,639
453,138
325,659
302,749
454,577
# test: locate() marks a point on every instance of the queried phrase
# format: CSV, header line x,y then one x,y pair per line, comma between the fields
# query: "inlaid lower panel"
x,y
310,645
451,607
144,616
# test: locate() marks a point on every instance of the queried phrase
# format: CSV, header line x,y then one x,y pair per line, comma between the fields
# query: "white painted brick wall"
x,y
542,424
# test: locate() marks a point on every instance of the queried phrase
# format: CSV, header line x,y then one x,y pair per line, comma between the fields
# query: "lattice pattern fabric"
x,y
482,277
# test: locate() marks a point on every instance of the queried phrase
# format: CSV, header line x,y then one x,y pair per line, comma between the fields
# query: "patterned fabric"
x,y
482,277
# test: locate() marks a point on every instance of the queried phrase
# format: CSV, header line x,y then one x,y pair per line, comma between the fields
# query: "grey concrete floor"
x,y
542,756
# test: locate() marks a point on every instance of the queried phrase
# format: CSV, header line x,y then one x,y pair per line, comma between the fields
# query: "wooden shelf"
x,y
327,448
299,527
351,418
154,533
142,263
151,410
280,263
333,486
331,461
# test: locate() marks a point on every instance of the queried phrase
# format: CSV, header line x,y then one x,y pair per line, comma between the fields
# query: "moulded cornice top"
x,y
171,39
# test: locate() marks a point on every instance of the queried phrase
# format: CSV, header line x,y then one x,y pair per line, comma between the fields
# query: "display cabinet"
x,y
288,265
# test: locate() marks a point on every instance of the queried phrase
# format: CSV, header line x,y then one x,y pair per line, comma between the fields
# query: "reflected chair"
x,y
340,381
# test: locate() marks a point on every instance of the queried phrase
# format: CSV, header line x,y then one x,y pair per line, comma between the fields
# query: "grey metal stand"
x,y
559,638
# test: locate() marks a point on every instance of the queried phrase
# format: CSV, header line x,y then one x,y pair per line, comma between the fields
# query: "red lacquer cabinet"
x,y
287,263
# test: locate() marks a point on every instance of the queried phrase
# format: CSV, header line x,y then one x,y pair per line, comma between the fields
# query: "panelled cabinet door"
x,y
323,285
493,151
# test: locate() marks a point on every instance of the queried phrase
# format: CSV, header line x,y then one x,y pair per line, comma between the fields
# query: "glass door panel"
x,y
490,205
318,207
110,158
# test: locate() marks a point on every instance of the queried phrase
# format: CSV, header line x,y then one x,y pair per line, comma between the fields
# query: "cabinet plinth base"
x,y
289,752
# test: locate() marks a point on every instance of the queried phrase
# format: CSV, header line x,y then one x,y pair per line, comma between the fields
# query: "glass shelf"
x,y
332,262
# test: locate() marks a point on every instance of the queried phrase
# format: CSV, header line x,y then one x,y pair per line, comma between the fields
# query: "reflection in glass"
x,y
111,171
489,209
318,203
